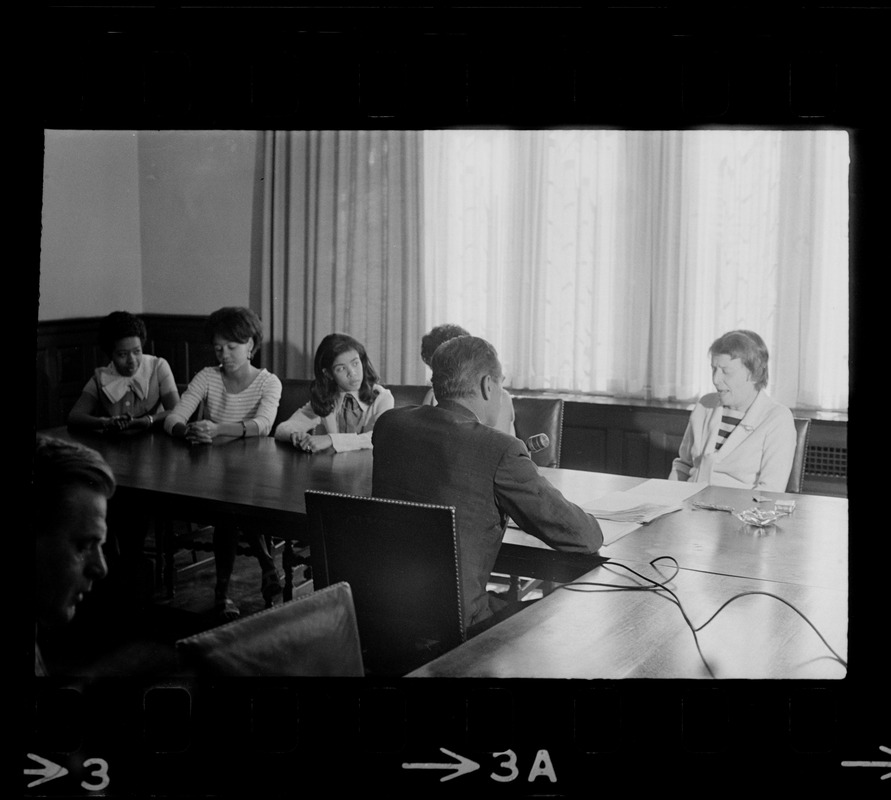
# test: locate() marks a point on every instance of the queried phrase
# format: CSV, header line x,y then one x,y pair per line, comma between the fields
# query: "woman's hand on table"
x,y
201,432
310,443
118,423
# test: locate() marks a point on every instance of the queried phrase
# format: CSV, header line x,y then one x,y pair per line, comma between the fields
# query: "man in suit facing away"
x,y
450,454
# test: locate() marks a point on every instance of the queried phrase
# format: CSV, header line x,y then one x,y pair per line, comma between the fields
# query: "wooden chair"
x,y
295,395
172,536
314,635
541,415
408,394
796,477
401,561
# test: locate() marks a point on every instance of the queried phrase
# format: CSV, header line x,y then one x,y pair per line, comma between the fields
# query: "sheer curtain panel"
x,y
339,248
607,261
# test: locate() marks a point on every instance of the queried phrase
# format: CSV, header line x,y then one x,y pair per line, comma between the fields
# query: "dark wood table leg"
x,y
288,567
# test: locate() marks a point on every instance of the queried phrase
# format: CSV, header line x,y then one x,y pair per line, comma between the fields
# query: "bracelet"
x,y
243,429
151,420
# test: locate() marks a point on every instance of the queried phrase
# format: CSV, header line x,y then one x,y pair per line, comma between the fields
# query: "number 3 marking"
x,y
101,772
510,763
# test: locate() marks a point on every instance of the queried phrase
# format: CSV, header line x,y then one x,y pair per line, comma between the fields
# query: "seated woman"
x,y
346,399
737,436
240,400
134,391
442,333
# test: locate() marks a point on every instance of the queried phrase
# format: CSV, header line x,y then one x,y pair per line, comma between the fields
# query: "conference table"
x,y
578,630
255,481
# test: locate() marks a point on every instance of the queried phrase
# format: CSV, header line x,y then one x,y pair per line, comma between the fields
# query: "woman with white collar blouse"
x,y
134,391
738,436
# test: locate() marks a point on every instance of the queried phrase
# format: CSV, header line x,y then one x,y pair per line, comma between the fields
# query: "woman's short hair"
x,y
441,333
235,324
749,348
58,467
459,364
324,387
119,325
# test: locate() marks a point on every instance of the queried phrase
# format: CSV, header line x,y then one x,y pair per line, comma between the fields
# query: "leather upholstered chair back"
x,y
408,394
295,394
796,477
401,561
312,635
534,415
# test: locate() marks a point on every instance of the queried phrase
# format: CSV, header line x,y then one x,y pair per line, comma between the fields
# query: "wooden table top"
x,y
808,547
598,632
257,477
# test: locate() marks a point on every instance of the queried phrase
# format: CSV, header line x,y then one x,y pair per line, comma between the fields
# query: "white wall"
x,y
149,222
90,243
196,203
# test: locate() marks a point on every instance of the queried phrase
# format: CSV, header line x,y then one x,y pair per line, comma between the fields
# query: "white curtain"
x,y
607,261
339,248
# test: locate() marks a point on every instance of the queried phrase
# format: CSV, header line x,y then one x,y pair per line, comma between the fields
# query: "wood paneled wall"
x,y
67,354
599,434
626,439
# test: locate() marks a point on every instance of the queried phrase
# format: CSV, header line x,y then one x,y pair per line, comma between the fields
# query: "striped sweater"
x,y
259,402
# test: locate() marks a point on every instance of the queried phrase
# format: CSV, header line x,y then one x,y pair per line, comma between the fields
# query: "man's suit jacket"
x,y
506,413
444,455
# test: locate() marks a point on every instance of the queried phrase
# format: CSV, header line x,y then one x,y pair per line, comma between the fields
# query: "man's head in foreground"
x,y
70,490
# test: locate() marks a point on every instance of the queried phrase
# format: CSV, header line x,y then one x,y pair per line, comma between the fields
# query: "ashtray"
x,y
759,517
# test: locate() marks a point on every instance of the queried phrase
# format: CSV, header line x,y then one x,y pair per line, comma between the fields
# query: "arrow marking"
x,y
872,763
48,770
463,766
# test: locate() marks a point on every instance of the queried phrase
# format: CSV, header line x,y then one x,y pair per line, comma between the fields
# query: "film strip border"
x,y
249,738
403,67
157,68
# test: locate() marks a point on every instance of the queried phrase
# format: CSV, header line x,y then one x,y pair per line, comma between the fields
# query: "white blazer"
x,y
758,454
305,420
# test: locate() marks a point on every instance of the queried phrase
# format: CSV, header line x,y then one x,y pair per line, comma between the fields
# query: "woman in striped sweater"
x,y
239,400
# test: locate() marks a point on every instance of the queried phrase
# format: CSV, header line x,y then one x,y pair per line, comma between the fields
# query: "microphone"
x,y
538,443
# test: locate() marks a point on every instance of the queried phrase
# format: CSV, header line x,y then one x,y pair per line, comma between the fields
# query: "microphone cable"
x,y
656,586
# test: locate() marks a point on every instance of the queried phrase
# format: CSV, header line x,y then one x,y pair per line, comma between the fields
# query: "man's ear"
x,y
486,387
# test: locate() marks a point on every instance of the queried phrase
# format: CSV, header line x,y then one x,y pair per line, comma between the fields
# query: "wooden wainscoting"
x,y
622,439
67,354
642,439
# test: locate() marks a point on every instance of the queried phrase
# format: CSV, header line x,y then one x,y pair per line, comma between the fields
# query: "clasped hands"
x,y
123,422
310,443
201,432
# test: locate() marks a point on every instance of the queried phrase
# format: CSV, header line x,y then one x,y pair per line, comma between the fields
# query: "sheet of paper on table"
x,y
620,513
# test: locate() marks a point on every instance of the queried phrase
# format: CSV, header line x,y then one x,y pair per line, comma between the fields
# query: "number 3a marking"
x,y
100,772
542,766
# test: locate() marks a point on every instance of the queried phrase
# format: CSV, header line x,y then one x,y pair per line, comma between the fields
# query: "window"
x,y
607,261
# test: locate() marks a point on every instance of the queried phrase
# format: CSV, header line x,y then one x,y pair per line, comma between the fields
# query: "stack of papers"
x,y
639,514
620,513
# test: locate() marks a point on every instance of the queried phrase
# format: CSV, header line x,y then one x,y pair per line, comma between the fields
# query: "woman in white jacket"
x,y
738,436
